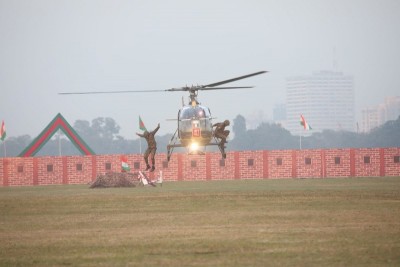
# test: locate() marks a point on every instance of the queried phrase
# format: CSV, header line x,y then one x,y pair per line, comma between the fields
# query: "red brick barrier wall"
x,y
314,163
222,168
337,162
391,167
251,164
367,162
308,164
279,164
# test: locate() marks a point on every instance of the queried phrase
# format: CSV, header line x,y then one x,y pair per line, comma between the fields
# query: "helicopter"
x,y
195,128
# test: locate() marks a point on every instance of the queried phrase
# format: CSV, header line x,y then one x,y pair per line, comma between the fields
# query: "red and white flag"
x,y
304,123
124,164
3,133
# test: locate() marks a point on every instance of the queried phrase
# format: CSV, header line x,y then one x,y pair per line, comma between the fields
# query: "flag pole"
x,y
3,137
5,149
300,140
59,142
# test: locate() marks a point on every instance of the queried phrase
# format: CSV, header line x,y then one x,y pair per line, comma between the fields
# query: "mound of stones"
x,y
116,179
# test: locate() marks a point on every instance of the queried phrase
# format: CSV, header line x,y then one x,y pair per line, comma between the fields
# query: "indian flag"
x,y
141,125
124,164
304,123
3,133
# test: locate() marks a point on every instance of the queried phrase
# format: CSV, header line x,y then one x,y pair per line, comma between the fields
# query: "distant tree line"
x,y
102,135
271,136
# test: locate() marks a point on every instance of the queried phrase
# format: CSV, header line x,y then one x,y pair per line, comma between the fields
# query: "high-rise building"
x,y
373,117
326,99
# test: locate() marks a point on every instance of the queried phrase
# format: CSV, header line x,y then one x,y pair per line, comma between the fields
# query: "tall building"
x,y
326,99
392,108
373,117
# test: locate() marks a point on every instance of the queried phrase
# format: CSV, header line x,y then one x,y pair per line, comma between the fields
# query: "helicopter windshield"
x,y
197,112
197,116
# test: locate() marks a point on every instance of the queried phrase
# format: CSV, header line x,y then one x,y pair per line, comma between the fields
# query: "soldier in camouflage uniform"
x,y
151,147
222,134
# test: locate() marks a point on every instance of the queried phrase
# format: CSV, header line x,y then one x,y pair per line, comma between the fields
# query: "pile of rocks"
x,y
116,179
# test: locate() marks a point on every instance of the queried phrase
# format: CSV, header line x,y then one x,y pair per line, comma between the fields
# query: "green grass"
x,y
295,222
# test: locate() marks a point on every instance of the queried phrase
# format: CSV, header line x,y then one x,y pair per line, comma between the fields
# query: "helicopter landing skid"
x,y
197,152
170,149
172,144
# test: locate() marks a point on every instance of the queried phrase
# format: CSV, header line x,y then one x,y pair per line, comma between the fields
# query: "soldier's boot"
x,y
146,160
153,162
222,149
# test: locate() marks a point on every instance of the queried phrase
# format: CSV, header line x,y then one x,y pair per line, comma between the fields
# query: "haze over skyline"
x,y
49,47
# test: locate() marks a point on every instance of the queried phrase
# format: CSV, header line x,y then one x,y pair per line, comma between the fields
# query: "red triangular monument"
x,y
57,123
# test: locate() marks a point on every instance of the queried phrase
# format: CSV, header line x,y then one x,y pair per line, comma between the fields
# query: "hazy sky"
x,y
51,46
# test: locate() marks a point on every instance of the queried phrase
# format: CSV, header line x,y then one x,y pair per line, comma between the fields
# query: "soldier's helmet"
x,y
226,122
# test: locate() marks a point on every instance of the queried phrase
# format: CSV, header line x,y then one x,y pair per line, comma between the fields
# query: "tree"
x,y
14,145
106,128
239,125
101,135
271,136
84,129
239,129
386,135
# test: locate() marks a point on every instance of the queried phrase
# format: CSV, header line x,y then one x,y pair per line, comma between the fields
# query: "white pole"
x,y
300,140
140,145
5,149
59,143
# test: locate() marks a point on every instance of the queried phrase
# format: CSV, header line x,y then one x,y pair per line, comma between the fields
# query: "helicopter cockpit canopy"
x,y
195,117
197,112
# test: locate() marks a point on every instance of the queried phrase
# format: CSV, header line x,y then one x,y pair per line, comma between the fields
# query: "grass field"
x,y
294,222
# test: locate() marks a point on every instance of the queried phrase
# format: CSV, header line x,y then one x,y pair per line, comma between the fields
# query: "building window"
x,y
20,168
250,162
279,161
337,160
367,159
222,163
396,159
136,165
193,163
307,161
108,166
49,167
79,167
165,164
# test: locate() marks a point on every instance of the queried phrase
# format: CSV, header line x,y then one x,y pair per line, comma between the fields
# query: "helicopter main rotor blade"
x,y
201,88
221,88
178,89
234,79
112,92
210,86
